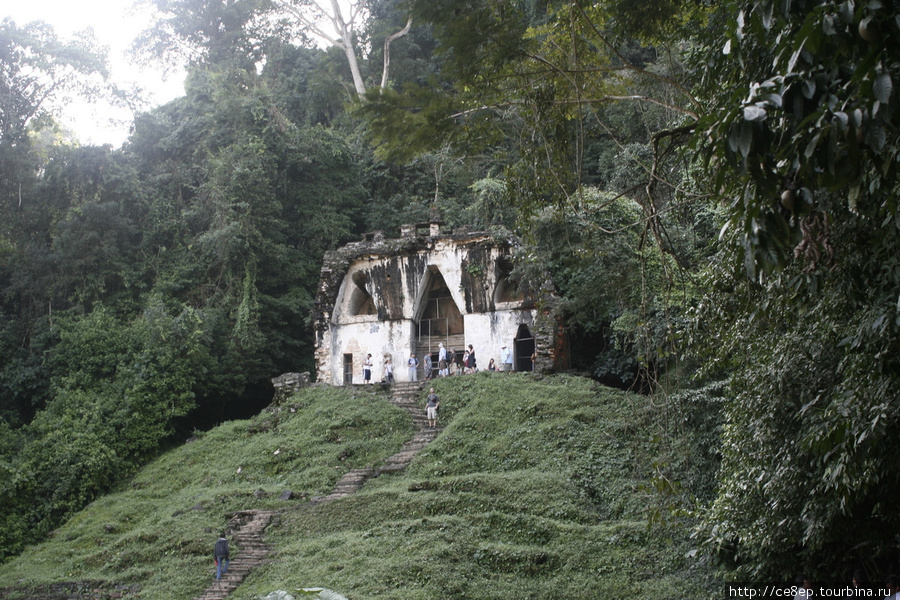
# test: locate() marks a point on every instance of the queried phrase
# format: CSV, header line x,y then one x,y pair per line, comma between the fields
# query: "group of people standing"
x,y
449,362
388,369
368,364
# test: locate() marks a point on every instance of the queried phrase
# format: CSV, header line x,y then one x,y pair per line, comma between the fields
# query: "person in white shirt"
x,y
505,359
442,361
367,369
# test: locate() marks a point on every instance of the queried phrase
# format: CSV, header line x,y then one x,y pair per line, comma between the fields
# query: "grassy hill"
x,y
536,488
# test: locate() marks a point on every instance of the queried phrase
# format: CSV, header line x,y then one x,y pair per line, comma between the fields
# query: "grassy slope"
x,y
536,489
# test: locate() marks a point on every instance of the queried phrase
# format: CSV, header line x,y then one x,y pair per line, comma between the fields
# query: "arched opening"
x,y
361,302
524,346
440,320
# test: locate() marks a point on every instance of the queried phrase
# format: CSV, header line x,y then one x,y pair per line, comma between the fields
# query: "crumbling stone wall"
x,y
395,275
285,385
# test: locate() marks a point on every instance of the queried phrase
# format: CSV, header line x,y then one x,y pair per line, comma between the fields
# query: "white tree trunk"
x,y
387,51
344,28
311,16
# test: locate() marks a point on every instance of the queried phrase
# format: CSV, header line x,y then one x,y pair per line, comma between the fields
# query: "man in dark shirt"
x,y
222,555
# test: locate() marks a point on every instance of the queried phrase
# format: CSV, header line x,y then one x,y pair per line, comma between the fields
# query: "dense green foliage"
x,y
709,185
515,499
629,316
177,272
803,304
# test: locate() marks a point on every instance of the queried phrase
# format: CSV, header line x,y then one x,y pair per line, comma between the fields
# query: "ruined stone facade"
x,y
286,384
394,297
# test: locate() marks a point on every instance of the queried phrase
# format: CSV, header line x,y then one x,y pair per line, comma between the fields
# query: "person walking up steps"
x,y
432,404
222,555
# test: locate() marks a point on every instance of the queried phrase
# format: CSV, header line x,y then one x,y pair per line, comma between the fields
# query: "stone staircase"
x,y
247,527
406,395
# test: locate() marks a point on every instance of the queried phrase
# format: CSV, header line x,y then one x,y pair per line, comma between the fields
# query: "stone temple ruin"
x,y
394,297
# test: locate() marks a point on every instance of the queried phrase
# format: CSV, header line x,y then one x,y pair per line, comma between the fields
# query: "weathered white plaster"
x,y
374,294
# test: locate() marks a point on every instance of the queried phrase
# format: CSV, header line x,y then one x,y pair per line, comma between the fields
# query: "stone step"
x,y
247,527
395,468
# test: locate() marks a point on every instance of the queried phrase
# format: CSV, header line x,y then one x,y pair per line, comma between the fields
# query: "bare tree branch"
x,y
387,51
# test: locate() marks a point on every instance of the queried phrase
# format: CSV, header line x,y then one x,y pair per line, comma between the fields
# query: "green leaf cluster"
x,y
801,313
805,122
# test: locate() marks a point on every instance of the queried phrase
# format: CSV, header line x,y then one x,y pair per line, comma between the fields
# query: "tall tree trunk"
x,y
345,30
387,51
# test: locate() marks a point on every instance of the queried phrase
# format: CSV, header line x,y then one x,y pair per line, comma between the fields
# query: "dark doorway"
x,y
524,348
348,369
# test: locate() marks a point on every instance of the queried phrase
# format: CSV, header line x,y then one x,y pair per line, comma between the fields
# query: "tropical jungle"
x,y
711,187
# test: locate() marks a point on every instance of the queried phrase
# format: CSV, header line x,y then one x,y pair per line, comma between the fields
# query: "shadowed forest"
x,y
712,187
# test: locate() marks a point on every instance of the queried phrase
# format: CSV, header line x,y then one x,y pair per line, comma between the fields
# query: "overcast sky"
x,y
115,23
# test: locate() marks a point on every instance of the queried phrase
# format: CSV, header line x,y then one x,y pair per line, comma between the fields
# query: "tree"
x,y
157,288
529,82
806,124
789,116
119,388
801,139
245,202
191,32
327,21
615,299
40,72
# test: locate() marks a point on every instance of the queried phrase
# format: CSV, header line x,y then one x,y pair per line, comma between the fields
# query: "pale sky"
x,y
115,23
